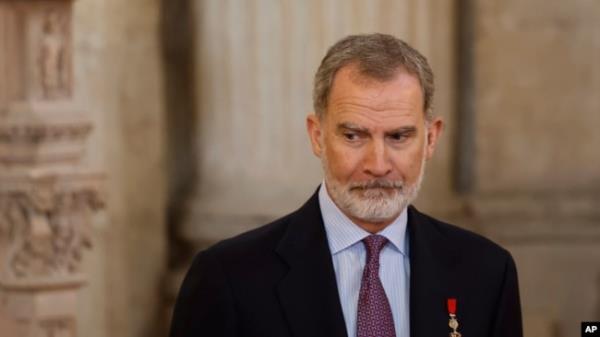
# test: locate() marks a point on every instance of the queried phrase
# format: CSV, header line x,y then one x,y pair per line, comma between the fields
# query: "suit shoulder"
x,y
261,239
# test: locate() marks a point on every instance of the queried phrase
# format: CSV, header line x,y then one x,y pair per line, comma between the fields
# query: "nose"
x,y
377,163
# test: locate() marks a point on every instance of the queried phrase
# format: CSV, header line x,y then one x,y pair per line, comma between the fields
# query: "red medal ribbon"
x,y
452,306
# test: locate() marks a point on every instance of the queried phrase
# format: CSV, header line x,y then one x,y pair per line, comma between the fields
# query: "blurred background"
x,y
135,133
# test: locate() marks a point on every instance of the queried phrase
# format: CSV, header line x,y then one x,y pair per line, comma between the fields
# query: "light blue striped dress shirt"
x,y
349,256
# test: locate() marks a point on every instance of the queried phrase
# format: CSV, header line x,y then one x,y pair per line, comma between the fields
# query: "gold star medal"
x,y
453,323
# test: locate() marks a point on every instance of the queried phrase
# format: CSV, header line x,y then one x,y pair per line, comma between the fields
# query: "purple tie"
x,y
374,313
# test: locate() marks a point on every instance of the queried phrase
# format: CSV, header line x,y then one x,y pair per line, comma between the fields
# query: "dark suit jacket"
x,y
279,281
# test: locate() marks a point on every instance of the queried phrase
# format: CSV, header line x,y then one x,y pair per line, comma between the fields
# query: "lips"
x,y
377,185
378,192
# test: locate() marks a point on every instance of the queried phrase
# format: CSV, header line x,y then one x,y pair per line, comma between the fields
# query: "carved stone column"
x,y
46,193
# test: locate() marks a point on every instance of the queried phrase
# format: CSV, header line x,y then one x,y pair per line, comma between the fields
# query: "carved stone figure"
x,y
53,56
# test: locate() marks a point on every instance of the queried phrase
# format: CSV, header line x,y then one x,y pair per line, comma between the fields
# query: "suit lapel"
x,y
308,293
432,276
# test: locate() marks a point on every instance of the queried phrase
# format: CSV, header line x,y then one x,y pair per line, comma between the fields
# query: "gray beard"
x,y
376,200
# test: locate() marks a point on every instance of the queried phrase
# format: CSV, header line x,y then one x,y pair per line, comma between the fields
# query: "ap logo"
x,y
590,329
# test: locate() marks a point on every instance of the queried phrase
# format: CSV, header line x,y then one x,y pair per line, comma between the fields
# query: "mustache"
x,y
377,183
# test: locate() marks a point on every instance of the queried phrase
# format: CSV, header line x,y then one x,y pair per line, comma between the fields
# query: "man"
x,y
356,259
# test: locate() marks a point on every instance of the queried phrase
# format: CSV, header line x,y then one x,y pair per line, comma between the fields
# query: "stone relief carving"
x,y
47,196
53,54
47,230
41,133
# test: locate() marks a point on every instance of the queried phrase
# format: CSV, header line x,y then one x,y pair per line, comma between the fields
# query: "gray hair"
x,y
378,56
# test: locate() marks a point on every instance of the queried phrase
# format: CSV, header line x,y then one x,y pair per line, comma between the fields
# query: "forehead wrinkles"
x,y
364,109
389,96
357,104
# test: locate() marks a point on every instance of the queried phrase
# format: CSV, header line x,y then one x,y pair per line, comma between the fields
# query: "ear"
x,y
314,128
434,130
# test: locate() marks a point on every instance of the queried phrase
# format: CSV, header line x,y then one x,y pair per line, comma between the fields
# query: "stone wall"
x,y
537,164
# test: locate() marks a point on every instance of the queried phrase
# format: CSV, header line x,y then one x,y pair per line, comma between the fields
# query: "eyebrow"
x,y
403,130
352,127
356,128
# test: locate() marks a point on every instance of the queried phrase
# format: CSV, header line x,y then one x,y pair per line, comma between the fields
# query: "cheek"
x,y
408,163
343,162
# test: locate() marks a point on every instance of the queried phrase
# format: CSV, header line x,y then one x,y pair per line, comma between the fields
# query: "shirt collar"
x,y
343,233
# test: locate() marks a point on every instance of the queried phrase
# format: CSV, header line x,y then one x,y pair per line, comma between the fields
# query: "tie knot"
x,y
374,244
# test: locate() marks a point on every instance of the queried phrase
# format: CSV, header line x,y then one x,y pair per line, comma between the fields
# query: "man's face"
x,y
373,143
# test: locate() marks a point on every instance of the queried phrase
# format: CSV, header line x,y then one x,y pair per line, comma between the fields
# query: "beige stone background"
x,y
198,111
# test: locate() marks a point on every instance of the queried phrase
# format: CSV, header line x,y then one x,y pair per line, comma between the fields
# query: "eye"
x,y
398,136
402,135
351,136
